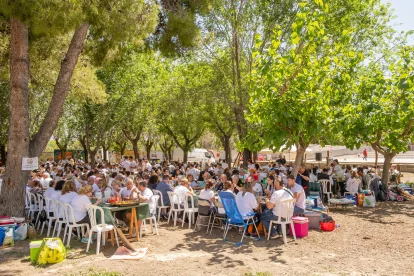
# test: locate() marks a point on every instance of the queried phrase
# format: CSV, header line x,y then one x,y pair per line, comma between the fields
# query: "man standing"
x,y
302,178
272,208
298,194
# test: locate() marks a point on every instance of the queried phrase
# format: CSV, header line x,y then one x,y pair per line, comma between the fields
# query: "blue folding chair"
x,y
234,218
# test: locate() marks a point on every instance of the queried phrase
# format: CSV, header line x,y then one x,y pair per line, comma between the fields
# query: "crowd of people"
x,y
75,182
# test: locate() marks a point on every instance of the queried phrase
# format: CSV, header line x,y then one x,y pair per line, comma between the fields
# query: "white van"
x,y
196,155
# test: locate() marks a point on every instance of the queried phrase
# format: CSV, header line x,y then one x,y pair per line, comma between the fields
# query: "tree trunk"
x,y
227,150
185,155
92,154
300,152
247,154
105,154
388,156
170,154
255,156
85,148
148,149
3,154
135,148
13,192
376,159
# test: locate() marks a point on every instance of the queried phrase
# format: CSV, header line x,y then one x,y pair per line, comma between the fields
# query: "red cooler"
x,y
301,225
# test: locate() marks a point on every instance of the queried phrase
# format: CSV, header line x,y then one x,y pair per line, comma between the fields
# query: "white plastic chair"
x,y
26,203
190,211
41,205
175,206
49,205
326,188
60,218
288,205
33,205
153,202
71,223
160,203
353,188
99,227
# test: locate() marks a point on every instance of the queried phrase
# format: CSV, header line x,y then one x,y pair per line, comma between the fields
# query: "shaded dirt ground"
x,y
369,242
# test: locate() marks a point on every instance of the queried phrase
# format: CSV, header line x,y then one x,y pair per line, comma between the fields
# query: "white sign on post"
x,y
30,163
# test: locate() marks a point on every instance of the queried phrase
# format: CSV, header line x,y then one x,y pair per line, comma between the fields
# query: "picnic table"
x,y
138,213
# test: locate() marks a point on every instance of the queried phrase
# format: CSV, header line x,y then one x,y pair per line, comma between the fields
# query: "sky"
x,y
403,9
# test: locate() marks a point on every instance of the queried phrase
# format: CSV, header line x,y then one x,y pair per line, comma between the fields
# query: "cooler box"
x,y
301,227
34,248
6,221
313,218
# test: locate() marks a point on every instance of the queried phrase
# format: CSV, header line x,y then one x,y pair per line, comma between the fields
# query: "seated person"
x,y
193,183
272,208
207,193
183,189
145,195
164,187
270,188
298,194
246,201
130,191
257,187
354,183
324,174
116,188
223,179
79,204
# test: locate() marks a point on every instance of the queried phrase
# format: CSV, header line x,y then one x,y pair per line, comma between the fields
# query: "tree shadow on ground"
x,y
224,251
381,212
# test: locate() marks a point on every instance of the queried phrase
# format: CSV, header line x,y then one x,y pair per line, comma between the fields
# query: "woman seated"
x,y
270,188
68,192
207,193
235,184
193,183
58,190
79,204
246,201
354,183
153,181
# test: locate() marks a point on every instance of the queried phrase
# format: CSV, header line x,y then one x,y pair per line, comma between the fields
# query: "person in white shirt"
x,y
116,188
298,194
130,191
183,189
257,187
354,183
145,195
45,180
126,165
207,193
68,194
337,170
49,190
79,204
246,202
132,164
272,205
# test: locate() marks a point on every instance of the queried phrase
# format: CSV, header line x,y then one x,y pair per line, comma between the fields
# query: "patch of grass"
x,y
93,272
258,274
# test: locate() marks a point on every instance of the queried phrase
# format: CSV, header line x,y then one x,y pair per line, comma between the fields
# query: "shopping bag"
x,y
369,201
8,236
21,232
51,251
31,231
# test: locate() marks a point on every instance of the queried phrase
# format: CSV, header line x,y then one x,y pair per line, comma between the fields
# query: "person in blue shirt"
x,y
164,187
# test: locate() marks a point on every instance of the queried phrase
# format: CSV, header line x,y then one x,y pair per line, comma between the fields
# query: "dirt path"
x,y
369,242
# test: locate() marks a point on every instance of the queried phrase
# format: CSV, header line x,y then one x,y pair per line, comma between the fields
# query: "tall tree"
x,y
380,112
302,77
180,113
28,19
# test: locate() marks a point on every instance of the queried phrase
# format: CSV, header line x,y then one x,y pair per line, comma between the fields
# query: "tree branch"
x,y
60,91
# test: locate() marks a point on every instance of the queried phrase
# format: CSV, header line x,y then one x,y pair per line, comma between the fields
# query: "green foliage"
x,y
182,104
380,112
300,79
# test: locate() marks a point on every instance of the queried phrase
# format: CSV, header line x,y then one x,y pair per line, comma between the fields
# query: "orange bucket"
x,y
361,198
